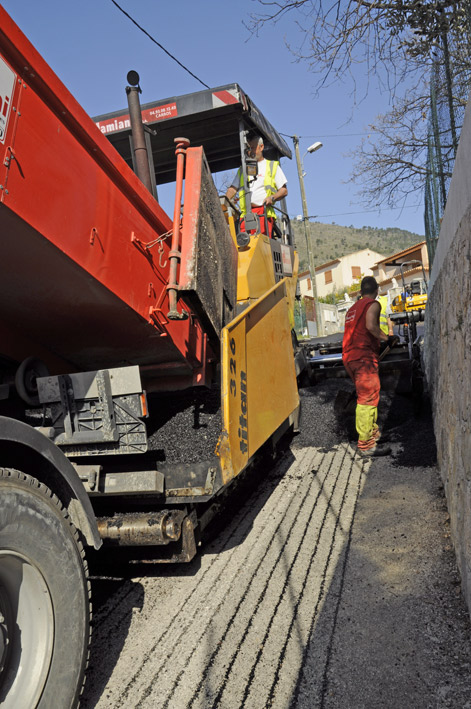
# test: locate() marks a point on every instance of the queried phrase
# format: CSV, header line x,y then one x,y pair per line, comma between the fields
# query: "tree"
x,y
401,42
391,163
388,36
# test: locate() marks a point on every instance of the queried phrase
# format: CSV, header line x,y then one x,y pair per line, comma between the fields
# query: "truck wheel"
x,y
25,379
44,598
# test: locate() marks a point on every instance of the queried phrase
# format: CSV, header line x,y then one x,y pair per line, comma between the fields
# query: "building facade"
x,y
339,274
388,271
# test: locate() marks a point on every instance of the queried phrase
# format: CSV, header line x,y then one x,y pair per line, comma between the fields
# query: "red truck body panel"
x,y
76,281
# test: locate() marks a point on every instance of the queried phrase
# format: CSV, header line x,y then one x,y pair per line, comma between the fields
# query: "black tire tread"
x,y
40,487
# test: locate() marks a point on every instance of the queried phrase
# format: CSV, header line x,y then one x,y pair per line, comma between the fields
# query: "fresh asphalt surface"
x,y
332,585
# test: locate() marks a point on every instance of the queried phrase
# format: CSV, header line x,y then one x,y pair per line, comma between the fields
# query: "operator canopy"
x,y
212,118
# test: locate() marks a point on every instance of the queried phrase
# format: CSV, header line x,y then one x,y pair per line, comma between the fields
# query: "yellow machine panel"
x,y
259,389
412,296
401,304
255,275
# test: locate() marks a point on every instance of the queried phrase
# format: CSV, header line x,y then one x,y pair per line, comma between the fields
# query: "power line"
x,y
158,44
331,135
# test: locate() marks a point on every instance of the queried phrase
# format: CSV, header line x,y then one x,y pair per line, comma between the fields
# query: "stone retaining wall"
x,y
448,354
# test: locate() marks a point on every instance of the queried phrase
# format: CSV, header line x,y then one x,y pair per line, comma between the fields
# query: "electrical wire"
x,y
334,135
158,44
331,135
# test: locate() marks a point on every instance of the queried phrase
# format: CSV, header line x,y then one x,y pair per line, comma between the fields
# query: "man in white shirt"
x,y
266,187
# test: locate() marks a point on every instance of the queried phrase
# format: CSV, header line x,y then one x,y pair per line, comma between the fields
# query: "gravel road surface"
x,y
332,586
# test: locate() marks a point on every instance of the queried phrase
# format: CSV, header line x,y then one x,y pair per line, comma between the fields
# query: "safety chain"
x,y
146,247
159,239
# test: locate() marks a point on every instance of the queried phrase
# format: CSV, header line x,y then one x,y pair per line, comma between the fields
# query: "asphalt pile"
x,y
185,427
328,418
320,426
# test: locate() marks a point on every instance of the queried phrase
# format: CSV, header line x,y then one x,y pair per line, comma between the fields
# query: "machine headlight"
x,y
243,239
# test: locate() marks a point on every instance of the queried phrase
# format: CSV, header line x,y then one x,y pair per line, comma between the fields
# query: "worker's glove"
x,y
392,340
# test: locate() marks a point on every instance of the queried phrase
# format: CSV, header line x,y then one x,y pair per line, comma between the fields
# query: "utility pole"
x,y
310,255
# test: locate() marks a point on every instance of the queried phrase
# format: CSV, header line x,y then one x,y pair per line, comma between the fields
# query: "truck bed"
x,y
81,286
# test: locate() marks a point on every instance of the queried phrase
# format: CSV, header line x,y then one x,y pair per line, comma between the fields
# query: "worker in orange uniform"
x,y
265,188
360,350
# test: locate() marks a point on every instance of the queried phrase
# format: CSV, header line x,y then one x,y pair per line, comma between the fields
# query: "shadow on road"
x,y
248,496
393,630
110,597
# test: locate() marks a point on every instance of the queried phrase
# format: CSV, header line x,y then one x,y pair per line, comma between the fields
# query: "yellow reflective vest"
x,y
383,317
269,183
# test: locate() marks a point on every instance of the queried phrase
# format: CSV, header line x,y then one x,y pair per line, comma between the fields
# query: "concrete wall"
x,y
330,318
329,321
448,353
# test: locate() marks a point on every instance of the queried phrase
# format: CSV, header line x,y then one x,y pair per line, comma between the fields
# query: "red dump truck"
x,y
115,322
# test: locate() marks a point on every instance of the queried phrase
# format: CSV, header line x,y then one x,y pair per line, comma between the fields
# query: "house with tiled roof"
x,y
388,268
340,273
387,271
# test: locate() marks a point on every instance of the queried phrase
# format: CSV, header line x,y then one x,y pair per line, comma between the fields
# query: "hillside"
x,y
329,241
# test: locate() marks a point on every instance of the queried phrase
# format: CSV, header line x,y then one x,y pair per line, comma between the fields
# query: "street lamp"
x,y
312,149
315,146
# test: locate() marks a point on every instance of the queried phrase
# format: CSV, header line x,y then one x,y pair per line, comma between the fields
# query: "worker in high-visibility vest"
x,y
360,350
265,188
385,322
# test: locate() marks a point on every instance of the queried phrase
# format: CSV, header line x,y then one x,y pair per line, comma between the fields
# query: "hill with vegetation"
x,y
330,241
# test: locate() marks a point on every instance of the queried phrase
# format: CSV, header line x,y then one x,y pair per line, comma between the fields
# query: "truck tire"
x,y
44,598
25,379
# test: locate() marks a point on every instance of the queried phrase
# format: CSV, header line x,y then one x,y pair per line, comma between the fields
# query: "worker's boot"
x,y
374,452
384,437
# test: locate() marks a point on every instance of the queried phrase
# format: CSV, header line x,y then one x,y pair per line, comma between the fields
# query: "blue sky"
x,y
91,45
